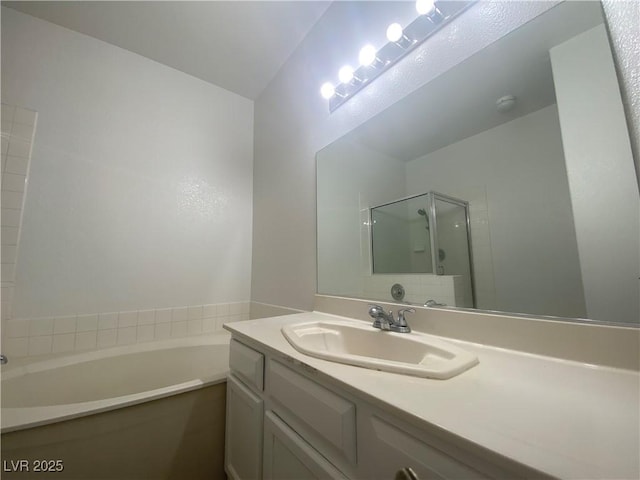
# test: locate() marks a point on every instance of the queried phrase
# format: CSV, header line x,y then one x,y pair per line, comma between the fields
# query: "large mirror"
x,y
528,137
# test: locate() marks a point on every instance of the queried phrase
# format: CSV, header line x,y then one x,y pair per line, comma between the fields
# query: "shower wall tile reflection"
x,y
447,289
18,130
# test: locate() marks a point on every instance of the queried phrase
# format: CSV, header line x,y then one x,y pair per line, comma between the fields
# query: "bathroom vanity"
x,y
513,415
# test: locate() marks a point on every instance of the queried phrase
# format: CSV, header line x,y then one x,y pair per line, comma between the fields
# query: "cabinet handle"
x,y
406,473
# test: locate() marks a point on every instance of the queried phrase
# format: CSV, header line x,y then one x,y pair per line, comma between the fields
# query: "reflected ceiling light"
x,y
425,7
327,90
345,74
394,32
367,55
433,15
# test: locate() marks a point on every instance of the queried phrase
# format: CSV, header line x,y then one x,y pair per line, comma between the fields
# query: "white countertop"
x,y
567,419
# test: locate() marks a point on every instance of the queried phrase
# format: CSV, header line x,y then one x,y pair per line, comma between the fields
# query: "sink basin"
x,y
362,345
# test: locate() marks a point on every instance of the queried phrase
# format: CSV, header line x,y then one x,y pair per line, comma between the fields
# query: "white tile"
x,y
19,148
86,340
22,131
178,329
9,254
235,308
9,235
107,321
10,217
12,199
162,330
222,309
7,112
194,327
209,325
13,183
163,315
40,345
235,318
220,321
107,338
179,314
64,343
4,148
145,333
41,326
16,347
17,328
245,316
127,319
87,323
195,312
5,127
6,294
208,311
146,317
5,310
245,307
127,335
17,165
24,115
64,325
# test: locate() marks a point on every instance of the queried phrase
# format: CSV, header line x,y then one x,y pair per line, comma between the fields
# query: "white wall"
x,y
597,152
353,173
623,18
140,191
520,166
292,123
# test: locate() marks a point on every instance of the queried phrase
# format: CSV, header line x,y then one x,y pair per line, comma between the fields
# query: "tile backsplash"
x,y
22,337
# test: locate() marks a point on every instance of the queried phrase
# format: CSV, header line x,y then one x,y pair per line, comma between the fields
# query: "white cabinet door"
x,y
243,450
288,457
385,449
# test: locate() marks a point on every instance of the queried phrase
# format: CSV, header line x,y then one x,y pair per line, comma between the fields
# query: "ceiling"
x,y
237,45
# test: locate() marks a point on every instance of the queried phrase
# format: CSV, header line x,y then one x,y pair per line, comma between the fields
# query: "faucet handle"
x,y
401,320
375,310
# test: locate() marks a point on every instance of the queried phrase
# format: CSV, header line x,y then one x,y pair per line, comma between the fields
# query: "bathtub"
x,y
152,410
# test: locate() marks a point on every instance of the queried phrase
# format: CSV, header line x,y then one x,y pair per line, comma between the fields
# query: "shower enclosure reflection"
x,y
425,234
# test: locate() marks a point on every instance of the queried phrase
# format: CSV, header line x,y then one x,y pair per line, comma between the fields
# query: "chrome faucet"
x,y
433,303
3,359
386,321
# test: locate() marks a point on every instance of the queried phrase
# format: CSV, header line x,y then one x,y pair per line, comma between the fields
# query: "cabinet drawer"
x,y
247,364
288,456
326,420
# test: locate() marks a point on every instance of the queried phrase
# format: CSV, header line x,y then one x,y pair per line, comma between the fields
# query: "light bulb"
x,y
394,32
327,91
345,74
367,55
425,7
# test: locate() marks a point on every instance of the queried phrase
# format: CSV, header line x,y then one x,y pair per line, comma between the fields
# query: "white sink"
x,y
359,344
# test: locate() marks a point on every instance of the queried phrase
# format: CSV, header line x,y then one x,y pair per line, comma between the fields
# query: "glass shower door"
x,y
452,245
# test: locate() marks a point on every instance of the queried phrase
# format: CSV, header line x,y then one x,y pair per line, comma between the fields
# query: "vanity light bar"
x,y
432,16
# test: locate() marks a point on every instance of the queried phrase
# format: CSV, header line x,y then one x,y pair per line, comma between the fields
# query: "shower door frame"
x,y
433,234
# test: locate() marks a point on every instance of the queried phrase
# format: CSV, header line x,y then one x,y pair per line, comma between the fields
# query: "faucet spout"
x,y
381,319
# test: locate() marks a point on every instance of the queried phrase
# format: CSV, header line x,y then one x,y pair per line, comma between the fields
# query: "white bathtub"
x,y
82,384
